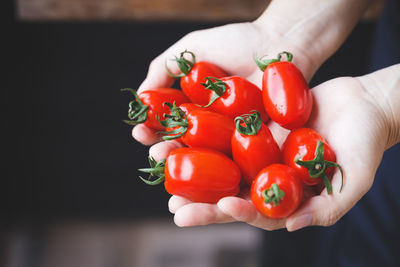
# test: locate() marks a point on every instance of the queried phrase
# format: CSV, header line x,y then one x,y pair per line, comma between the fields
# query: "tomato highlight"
x,y
277,191
198,174
253,146
287,97
310,155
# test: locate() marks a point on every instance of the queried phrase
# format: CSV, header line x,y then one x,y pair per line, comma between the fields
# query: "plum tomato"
x,y
311,156
198,174
192,74
253,146
277,191
287,97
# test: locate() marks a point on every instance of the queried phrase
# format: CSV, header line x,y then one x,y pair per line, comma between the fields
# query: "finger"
x,y
326,209
244,211
176,202
194,214
161,150
145,135
157,76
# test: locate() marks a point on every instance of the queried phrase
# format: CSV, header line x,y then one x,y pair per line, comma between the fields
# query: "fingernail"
x,y
300,222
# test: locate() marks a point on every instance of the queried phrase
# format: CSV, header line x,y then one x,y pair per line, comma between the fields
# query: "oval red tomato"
x,y
287,97
301,144
201,175
193,73
234,96
277,191
148,106
253,146
198,174
200,128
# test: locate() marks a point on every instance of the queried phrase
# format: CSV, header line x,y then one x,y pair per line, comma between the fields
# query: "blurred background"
x,y
70,192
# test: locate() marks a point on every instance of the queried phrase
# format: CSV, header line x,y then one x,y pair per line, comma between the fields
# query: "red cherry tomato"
x,y
193,73
198,174
186,108
277,191
253,146
307,145
234,96
148,106
200,128
287,97
201,175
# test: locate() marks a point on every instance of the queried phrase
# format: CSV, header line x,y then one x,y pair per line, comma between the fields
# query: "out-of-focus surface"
x,y
144,10
152,10
135,244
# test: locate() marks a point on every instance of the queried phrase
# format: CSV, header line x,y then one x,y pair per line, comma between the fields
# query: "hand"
x,y
358,120
285,25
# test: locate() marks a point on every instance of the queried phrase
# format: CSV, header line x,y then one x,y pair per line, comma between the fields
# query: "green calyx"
x,y
264,63
137,112
183,64
156,170
176,118
273,195
217,86
317,167
252,123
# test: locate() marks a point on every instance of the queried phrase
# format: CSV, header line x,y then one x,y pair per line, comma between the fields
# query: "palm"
x,y
343,114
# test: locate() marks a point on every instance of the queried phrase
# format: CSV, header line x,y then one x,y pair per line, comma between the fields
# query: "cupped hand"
x,y
343,113
350,114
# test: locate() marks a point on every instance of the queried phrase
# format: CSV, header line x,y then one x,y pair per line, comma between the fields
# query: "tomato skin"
x,y
186,108
287,180
155,98
252,153
209,130
287,97
201,175
241,97
301,143
190,83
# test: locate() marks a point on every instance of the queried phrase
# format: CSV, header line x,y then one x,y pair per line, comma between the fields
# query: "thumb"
x,y
157,75
326,209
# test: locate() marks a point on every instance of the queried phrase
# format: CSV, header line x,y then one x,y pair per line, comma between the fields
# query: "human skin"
x,y
360,119
312,30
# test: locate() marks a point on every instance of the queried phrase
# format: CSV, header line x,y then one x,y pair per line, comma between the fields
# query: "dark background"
x,y
66,153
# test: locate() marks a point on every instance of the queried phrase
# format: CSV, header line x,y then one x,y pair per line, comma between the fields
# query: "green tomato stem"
x,y
252,123
137,112
177,118
156,170
317,167
263,63
184,65
217,86
273,195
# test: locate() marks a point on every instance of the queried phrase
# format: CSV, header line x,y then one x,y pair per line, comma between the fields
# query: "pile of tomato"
x,y
221,120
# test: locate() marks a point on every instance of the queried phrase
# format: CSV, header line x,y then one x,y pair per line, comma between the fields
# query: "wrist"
x,y
313,28
383,87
